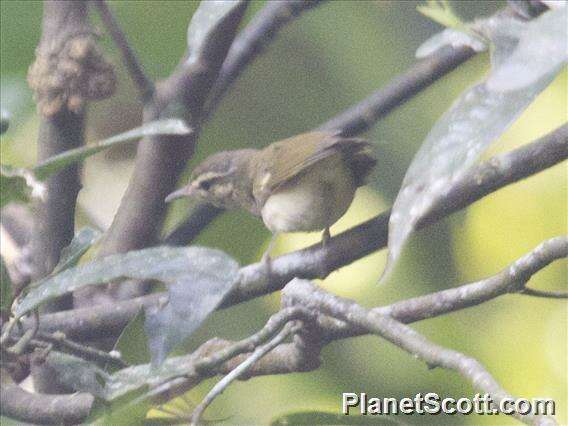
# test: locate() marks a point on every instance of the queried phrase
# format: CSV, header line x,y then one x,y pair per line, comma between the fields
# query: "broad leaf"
x,y
476,119
6,293
166,264
207,28
542,50
197,278
71,254
18,184
159,127
133,343
209,276
139,376
450,37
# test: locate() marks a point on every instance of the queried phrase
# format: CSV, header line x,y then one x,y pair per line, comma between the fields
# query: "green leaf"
x,y
441,12
133,343
18,184
208,276
477,118
6,293
541,50
134,378
159,127
165,264
208,27
198,278
71,254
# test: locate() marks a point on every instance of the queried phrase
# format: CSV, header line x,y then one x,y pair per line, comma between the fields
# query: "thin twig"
x,y
61,342
403,336
239,371
23,342
216,352
545,294
143,83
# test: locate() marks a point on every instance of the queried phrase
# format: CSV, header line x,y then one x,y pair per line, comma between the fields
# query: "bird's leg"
x,y
325,236
266,260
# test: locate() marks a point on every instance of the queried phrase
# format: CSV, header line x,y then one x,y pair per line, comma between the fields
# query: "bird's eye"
x,y
205,185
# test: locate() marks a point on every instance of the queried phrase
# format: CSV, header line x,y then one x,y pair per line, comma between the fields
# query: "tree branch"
x,y
161,160
68,71
22,405
314,298
239,371
342,249
142,82
357,242
362,116
355,120
220,356
250,42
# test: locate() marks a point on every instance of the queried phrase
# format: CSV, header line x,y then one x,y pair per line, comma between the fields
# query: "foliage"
x,y
16,182
197,279
479,116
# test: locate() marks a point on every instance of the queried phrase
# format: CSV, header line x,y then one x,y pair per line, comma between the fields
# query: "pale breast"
x,y
313,201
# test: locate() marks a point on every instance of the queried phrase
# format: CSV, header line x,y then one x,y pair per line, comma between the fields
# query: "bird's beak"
x,y
182,192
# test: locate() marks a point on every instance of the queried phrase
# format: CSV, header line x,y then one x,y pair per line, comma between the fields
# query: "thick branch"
x,y
22,405
220,356
69,70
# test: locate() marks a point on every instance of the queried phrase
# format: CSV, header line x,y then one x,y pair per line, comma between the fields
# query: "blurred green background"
x,y
330,58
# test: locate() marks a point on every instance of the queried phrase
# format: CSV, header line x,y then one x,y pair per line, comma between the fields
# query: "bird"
x,y
304,183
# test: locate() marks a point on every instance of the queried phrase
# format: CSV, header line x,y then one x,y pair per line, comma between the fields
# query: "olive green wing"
x,y
284,160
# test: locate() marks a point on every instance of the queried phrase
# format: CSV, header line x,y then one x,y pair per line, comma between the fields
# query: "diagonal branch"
x,y
220,357
142,82
20,404
239,371
357,242
250,42
314,298
362,116
355,120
